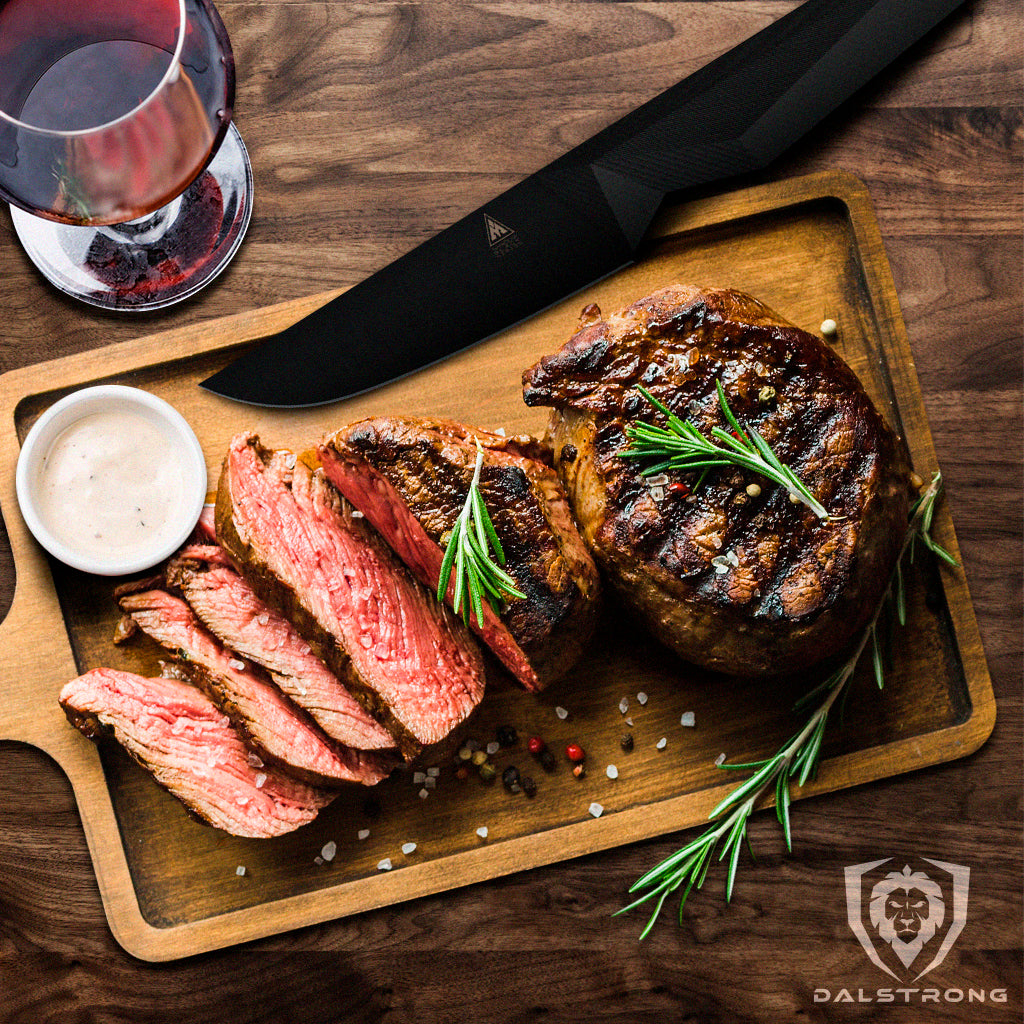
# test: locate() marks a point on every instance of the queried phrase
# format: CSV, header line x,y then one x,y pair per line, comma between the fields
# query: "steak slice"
x,y
227,606
741,580
410,661
410,478
272,725
189,747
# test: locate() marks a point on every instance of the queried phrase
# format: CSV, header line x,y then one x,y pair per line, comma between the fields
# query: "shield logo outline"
x,y
854,874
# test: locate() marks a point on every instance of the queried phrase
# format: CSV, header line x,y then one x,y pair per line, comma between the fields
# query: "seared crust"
x,y
785,589
430,465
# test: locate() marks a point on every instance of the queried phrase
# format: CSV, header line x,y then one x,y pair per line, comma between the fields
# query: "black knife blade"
x,y
584,215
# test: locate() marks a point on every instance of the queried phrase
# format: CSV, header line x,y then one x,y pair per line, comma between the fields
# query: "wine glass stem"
x,y
144,230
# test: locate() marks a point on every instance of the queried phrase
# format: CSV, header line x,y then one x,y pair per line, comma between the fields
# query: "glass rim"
x,y
173,69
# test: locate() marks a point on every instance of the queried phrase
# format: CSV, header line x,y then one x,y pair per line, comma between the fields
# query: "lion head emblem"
x,y
906,909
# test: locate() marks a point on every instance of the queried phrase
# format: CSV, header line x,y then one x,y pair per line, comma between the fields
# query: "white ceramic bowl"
x,y
177,441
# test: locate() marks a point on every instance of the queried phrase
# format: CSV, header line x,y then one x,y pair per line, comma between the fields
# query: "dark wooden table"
x,y
373,126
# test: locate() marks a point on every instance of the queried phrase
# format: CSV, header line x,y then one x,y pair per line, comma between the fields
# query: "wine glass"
x,y
130,188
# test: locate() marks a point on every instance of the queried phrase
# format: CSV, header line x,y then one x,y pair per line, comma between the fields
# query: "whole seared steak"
x,y
410,478
731,576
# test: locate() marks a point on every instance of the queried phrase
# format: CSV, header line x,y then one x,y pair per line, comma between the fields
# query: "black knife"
x,y
584,215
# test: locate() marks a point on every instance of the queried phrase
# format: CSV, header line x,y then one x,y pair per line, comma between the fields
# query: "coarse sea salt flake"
x,y
482,831
408,848
629,721
363,833
689,719
260,780
240,870
720,760
430,782
418,778
356,514
641,698
624,705
493,747
384,865
329,850
238,666
423,794
433,773
596,809
662,743
612,772
562,713
263,618
242,801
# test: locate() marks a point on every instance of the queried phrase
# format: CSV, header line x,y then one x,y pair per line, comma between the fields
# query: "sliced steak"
x,y
410,478
743,581
226,604
273,726
190,748
410,661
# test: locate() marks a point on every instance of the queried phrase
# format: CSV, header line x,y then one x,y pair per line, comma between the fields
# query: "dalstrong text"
x,y
910,995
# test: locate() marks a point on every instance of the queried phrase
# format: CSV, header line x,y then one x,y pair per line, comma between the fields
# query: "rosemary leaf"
x,y
475,556
679,445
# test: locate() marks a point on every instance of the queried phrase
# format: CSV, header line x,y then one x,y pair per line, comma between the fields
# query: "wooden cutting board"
x,y
811,249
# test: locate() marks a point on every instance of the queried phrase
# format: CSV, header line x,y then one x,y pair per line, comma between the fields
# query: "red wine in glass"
x,y
114,117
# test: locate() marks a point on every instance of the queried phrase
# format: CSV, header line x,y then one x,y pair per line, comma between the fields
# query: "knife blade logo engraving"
x,y
501,238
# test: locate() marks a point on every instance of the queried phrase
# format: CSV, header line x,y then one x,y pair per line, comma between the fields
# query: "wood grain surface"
x,y
371,127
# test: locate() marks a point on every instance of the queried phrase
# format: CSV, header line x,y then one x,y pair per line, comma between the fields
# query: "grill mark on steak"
x,y
406,658
799,587
273,726
228,607
410,478
183,740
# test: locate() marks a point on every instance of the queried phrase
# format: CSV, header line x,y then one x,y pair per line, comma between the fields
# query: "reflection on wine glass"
x,y
129,186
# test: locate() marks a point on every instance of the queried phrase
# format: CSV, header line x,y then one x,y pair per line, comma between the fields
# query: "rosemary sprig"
x,y
797,759
680,445
471,552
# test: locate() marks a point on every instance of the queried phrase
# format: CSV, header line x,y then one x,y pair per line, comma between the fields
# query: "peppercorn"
x,y
626,742
536,745
510,779
464,753
529,786
462,773
575,752
479,756
488,773
578,770
506,735
547,760
678,488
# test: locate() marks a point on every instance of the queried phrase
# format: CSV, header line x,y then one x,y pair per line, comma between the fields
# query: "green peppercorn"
x,y
488,772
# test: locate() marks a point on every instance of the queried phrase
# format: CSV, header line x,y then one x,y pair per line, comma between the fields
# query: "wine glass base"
x,y
159,259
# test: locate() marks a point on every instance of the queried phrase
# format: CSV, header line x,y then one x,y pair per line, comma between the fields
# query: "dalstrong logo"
x,y
501,238
914,914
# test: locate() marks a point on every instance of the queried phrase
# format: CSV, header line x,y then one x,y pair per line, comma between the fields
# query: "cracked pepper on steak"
x,y
745,583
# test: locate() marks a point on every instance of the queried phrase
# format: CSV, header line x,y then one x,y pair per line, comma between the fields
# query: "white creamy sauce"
x,y
110,484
